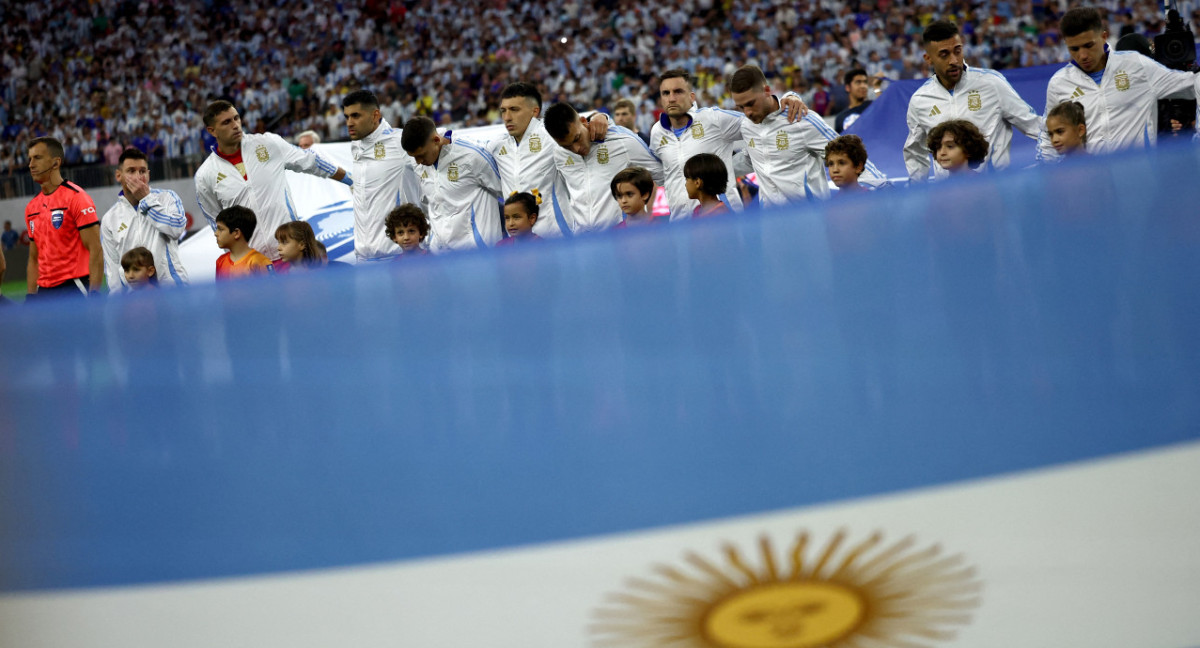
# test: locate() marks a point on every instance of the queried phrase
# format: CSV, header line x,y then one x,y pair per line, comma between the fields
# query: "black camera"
x,y
1176,49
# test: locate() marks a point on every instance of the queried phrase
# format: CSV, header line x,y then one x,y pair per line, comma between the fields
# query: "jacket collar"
x,y
665,121
375,135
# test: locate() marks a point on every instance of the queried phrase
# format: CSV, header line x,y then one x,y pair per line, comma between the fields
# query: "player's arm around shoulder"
x,y
484,169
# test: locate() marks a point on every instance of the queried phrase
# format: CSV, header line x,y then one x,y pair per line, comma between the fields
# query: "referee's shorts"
x,y
77,287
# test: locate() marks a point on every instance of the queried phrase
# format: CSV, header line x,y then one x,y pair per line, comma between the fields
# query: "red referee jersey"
x,y
53,223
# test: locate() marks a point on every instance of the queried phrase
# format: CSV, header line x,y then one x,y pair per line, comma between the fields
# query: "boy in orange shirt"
x,y
235,226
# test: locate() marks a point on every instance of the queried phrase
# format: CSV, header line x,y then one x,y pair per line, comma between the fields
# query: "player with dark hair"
x,y
1119,91
248,170
685,130
460,187
385,175
524,154
142,217
586,168
65,254
788,158
956,91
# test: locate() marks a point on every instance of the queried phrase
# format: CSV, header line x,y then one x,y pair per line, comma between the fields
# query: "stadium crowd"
x,y
103,75
559,172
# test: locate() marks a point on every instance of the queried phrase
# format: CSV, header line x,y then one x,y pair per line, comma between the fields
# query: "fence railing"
x,y
18,184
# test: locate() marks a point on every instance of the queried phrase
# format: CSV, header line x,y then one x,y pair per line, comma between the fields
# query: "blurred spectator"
x,y
286,65
9,238
112,152
307,139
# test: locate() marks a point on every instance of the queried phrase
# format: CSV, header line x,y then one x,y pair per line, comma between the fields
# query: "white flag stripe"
x,y
1099,554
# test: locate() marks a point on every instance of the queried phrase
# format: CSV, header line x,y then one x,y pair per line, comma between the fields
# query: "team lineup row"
x,y
567,163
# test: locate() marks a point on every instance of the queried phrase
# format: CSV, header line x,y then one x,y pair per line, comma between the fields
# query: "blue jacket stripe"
x,y
558,213
475,230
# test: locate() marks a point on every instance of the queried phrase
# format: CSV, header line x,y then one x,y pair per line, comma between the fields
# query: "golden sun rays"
x,y
866,595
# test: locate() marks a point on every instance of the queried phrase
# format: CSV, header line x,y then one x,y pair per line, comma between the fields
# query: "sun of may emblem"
x,y
261,153
867,594
974,101
1122,80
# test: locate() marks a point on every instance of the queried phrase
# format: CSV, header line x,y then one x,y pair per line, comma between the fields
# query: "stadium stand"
x,y
112,71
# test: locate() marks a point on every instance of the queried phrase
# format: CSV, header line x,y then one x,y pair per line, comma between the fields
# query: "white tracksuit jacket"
x,y
709,130
529,166
384,177
156,224
1122,111
462,198
789,158
585,182
219,185
982,97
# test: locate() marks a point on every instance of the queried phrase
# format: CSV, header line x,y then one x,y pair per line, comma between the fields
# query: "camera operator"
x,y
1119,90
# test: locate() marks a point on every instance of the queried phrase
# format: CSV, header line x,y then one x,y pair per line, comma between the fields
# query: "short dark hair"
x,y
131,153
849,77
1081,19
746,78
417,133
939,30
966,135
639,177
239,218
365,98
709,170
215,108
525,199
403,215
138,257
523,90
849,145
558,120
676,73
55,146
626,104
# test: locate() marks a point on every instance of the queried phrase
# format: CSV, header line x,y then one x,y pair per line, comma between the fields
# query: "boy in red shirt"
x,y
235,226
65,256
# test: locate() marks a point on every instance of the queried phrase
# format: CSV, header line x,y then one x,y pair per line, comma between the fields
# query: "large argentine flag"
x,y
965,414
